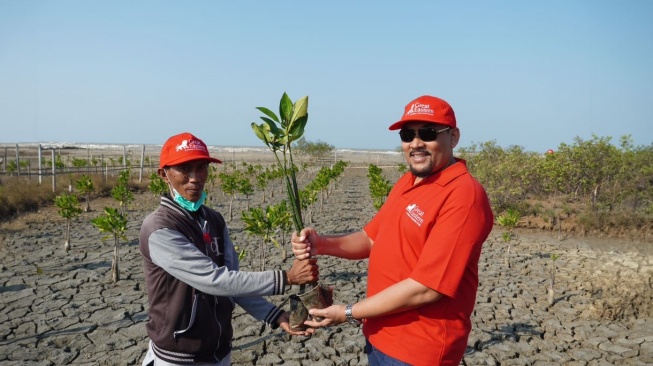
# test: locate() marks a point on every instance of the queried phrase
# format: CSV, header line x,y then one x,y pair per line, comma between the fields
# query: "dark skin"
x,y
188,179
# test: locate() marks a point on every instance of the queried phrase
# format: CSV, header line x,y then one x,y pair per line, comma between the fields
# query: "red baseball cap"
x,y
427,109
182,148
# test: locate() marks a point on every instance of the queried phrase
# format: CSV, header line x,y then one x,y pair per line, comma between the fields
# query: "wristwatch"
x,y
349,316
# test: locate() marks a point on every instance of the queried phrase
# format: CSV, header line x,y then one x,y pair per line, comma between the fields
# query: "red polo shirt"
x,y
431,232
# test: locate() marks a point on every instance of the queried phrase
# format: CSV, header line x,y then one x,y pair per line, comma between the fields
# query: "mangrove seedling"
x,y
114,224
68,209
508,220
551,292
85,186
278,133
121,193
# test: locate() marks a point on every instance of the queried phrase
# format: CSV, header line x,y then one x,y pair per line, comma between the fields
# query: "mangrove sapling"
x,y
212,177
307,197
262,182
68,209
245,188
283,222
85,186
114,224
379,186
230,182
508,220
157,186
279,133
321,183
276,176
551,292
121,193
261,223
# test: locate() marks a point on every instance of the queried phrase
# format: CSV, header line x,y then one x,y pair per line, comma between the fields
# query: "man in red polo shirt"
x,y
423,248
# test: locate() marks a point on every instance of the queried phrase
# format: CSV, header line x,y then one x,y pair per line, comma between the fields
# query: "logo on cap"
x,y
419,108
191,144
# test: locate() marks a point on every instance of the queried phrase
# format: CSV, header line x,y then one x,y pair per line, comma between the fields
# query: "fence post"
x,y
17,161
54,173
40,162
140,176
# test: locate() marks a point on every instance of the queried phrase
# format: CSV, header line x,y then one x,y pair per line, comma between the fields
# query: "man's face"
x,y
188,178
426,157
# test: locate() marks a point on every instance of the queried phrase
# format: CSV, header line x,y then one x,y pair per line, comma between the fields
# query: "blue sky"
x,y
529,73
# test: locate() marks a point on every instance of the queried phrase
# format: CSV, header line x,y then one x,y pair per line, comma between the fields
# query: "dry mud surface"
x,y
60,309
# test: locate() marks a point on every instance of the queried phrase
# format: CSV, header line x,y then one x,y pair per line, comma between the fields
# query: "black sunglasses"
x,y
426,134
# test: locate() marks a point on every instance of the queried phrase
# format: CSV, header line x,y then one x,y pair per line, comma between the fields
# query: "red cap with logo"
x,y
182,148
427,109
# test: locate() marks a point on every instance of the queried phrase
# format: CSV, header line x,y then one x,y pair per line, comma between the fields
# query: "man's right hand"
x,y
303,246
302,272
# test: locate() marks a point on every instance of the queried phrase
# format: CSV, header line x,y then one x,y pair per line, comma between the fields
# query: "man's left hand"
x,y
303,271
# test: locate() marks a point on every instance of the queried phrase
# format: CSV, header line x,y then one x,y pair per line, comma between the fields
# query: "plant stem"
x,y
294,199
295,190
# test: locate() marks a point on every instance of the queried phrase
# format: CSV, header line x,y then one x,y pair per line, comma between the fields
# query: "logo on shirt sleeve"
x,y
415,214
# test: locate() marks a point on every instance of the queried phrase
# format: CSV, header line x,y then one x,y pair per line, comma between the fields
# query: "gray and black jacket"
x,y
193,283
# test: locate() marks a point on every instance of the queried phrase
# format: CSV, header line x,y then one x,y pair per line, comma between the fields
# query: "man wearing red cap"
x,y
423,248
191,268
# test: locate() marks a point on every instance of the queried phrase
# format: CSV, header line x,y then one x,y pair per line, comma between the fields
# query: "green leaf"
x,y
282,140
258,130
300,109
271,126
285,110
157,185
269,113
297,128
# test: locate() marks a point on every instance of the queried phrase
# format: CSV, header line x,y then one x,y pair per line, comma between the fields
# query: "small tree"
x,y
68,209
85,186
114,224
262,180
260,223
245,188
157,185
552,277
279,133
315,150
121,193
282,220
229,185
508,220
79,163
211,179
379,186
307,197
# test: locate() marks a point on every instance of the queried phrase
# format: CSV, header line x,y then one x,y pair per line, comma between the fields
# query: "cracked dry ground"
x,y
60,309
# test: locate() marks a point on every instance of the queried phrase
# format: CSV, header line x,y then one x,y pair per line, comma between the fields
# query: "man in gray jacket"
x,y
191,268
